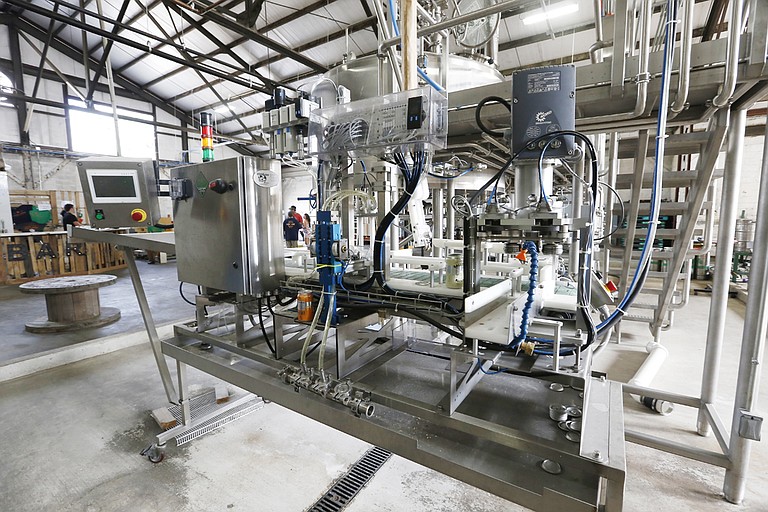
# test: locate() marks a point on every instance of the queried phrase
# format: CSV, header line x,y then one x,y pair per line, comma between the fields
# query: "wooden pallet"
x,y
30,256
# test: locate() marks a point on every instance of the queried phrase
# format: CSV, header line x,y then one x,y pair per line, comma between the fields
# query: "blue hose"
x,y
534,252
661,123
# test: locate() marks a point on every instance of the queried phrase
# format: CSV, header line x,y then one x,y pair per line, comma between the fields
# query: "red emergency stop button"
x,y
138,215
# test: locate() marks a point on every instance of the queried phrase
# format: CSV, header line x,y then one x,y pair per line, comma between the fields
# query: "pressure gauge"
x,y
478,32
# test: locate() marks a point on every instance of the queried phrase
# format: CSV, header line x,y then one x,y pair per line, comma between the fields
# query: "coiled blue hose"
x,y
533,274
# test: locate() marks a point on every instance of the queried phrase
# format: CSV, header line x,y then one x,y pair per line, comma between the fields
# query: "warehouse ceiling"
x,y
227,55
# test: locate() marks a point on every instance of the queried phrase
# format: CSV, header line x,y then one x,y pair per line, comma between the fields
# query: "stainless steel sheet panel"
x,y
232,240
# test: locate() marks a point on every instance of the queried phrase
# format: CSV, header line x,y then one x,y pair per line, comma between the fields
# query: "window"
x,y
93,131
5,86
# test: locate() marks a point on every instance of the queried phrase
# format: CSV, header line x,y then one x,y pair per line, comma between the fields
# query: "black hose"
x,y
264,331
181,292
479,108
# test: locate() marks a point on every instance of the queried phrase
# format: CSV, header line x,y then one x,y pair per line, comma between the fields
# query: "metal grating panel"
x,y
347,487
220,420
199,405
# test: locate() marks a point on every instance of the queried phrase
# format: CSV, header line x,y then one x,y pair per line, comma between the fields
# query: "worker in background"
x,y
68,216
296,215
307,228
291,229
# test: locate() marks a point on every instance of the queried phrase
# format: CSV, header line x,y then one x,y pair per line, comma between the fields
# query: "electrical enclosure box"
x,y
228,225
119,192
374,125
543,101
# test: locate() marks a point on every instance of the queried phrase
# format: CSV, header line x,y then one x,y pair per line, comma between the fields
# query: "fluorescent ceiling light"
x,y
224,109
551,12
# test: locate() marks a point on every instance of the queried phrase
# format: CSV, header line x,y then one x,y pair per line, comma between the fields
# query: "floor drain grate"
x,y
347,487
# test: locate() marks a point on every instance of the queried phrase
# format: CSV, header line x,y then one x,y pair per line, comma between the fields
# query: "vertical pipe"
x,y
722,278
723,97
752,345
578,200
450,213
410,44
438,216
613,169
686,34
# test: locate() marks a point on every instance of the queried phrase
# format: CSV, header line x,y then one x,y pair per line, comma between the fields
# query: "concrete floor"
x,y
71,438
162,289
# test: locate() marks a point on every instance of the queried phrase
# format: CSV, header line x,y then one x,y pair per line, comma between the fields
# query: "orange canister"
x,y
305,306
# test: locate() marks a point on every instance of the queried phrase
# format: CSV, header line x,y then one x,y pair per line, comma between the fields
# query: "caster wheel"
x,y
156,458
154,453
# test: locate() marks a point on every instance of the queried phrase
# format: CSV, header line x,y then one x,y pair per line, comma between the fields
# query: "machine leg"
x,y
721,281
752,345
149,324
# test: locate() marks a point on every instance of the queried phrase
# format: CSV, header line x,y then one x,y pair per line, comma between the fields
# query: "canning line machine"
x,y
455,290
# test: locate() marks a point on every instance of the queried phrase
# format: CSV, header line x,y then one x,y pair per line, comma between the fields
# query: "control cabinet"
x,y
228,225
119,192
543,102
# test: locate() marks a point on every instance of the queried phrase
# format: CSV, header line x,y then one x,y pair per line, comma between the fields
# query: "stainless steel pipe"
x,y
752,346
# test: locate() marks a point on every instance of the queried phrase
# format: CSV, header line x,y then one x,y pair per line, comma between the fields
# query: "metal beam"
x,y
107,49
39,74
237,42
133,19
18,81
138,91
232,25
133,44
715,18
199,74
362,25
161,45
298,13
229,51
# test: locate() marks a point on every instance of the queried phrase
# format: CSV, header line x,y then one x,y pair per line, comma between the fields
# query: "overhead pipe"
x,y
643,76
686,44
723,98
595,56
452,22
384,27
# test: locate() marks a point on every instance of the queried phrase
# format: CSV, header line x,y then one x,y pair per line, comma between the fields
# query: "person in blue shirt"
x,y
291,230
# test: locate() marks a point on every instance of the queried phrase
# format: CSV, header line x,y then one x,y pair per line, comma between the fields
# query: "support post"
x,y
752,346
410,44
721,281
149,323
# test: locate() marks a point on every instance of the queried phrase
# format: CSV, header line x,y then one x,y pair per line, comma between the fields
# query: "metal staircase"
x,y
668,283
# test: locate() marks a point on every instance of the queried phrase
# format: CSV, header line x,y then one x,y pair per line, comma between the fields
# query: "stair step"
x,y
617,253
638,317
667,207
643,305
676,144
669,179
661,233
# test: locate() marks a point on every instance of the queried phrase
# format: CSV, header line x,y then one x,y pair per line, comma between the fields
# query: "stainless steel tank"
x,y
745,235
229,229
361,76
